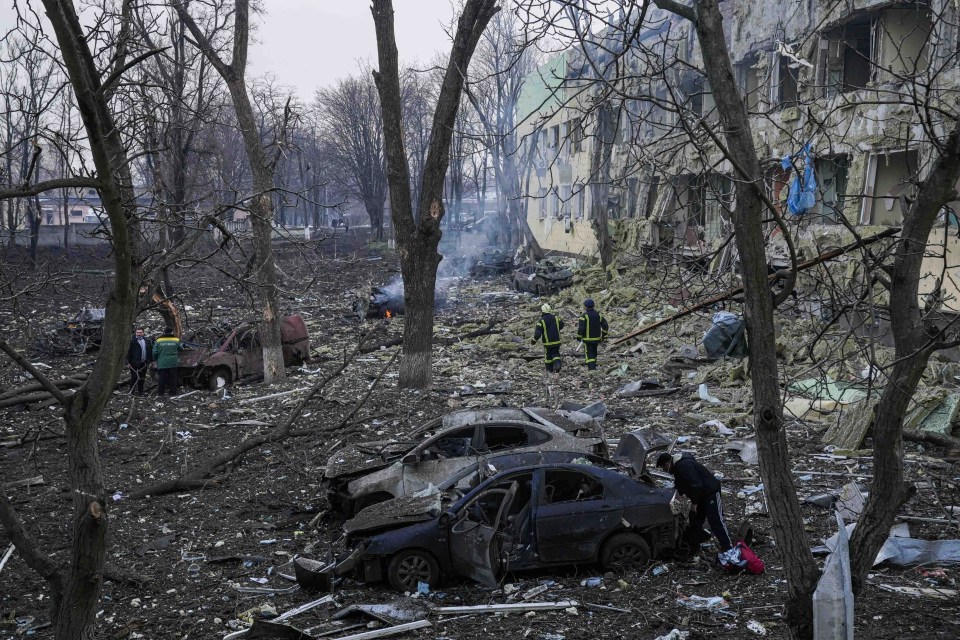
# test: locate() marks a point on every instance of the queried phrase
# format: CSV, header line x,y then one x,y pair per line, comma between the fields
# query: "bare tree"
x,y
418,236
262,169
76,588
503,62
349,113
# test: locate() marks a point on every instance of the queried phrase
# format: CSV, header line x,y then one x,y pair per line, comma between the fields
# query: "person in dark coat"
x,y
139,357
698,483
591,330
166,351
548,330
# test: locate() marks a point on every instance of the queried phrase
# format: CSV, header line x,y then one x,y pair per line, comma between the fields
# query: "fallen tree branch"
x,y
27,548
199,478
373,385
72,381
945,441
17,357
720,297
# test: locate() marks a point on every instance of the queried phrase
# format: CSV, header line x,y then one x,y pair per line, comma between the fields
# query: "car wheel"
x,y
374,498
409,568
624,552
219,379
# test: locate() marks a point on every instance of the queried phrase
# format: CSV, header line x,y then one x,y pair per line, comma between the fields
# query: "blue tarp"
x,y
803,191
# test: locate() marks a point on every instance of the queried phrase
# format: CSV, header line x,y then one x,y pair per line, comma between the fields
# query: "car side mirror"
x,y
445,518
410,458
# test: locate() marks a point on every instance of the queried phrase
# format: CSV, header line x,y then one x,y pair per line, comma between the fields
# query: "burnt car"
x,y
240,354
528,518
85,330
373,472
544,277
492,262
388,302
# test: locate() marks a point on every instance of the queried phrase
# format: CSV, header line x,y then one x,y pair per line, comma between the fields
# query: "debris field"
x,y
211,560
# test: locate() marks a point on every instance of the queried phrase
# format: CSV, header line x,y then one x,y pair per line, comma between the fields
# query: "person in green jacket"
x,y
166,353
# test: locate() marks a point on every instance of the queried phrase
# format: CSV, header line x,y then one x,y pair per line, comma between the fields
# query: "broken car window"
x,y
569,486
504,437
454,444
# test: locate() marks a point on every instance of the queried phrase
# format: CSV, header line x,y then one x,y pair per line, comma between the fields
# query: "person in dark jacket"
x,y
698,483
548,330
166,351
139,357
591,329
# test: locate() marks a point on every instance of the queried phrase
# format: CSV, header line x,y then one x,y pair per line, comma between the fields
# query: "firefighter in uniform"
x,y
591,329
548,330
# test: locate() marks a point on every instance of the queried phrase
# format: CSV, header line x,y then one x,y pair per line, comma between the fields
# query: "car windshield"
x,y
453,444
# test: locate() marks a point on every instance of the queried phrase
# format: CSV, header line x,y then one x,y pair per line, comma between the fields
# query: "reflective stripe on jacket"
x,y
592,326
548,330
166,352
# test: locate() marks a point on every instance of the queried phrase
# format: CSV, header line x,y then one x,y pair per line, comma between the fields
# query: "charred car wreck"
x,y
527,518
544,277
373,472
240,354
492,262
388,302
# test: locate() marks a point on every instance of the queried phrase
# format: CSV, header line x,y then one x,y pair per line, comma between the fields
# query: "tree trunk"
x,y
600,177
418,238
76,610
261,205
913,346
800,568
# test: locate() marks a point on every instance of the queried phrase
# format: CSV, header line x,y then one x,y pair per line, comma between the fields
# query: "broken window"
x,y
831,176
904,37
568,486
555,136
503,437
576,135
454,444
581,204
652,192
706,198
787,85
889,185
748,79
633,194
542,203
565,204
892,41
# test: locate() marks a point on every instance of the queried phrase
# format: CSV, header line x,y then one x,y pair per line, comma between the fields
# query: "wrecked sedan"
x,y
528,518
373,472
493,262
541,278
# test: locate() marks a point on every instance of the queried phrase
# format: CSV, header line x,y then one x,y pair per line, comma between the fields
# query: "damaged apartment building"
x,y
843,77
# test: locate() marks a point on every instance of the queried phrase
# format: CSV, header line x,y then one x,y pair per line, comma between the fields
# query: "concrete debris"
x,y
675,634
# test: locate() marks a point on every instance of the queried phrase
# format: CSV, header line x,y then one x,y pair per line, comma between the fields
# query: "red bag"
x,y
753,562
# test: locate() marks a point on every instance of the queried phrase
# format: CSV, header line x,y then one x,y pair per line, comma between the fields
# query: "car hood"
x,y
394,513
557,275
364,456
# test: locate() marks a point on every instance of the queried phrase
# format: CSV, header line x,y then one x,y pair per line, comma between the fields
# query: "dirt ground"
x,y
200,552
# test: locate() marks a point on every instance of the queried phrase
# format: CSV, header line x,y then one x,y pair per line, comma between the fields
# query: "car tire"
x,y
219,378
410,567
374,498
624,552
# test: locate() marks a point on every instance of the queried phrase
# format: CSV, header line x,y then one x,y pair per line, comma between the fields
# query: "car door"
x,y
475,535
250,355
575,512
439,458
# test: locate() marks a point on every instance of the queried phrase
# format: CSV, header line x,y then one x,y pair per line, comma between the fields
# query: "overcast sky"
x,y
310,43
307,44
